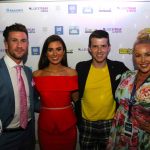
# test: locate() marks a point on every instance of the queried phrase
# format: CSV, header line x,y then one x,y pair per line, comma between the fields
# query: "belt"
x,y
15,129
56,108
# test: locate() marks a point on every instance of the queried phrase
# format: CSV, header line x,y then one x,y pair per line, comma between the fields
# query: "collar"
x,y
10,63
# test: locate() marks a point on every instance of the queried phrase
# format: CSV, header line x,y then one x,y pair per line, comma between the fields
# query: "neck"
x,y
99,64
140,78
54,68
142,75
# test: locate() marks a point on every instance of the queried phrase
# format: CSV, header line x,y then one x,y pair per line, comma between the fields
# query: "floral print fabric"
x,y
139,140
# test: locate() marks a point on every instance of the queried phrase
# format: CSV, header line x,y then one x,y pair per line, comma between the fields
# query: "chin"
x,y
145,71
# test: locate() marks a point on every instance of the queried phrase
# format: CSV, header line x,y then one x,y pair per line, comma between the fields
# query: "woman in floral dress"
x,y
131,125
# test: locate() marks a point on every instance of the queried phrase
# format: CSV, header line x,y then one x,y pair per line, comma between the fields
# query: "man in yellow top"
x,y
98,79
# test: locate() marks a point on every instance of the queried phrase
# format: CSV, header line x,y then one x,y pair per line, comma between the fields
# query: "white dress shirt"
x,y
13,75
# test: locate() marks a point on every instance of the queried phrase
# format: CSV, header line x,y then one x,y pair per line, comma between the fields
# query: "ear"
x,y
6,44
89,50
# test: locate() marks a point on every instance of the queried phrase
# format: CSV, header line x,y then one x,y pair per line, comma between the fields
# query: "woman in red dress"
x,y
57,86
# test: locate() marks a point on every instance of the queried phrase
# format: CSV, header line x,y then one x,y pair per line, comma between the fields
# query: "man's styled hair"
x,y
99,34
14,27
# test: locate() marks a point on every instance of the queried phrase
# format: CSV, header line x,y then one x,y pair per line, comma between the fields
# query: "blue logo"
x,y
35,50
59,30
73,30
72,9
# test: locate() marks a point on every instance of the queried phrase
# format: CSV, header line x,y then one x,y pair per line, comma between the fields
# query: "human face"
x,y
55,52
99,50
141,56
17,45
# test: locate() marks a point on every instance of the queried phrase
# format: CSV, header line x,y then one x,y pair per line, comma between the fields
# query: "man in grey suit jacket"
x,y
98,79
12,136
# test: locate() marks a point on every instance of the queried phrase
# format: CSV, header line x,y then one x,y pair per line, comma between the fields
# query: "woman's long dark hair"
x,y
44,62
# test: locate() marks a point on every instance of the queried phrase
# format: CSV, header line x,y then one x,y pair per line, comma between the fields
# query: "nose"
x,y
54,52
19,43
142,58
99,48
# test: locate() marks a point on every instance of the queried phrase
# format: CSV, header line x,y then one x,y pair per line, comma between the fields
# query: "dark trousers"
x,y
18,139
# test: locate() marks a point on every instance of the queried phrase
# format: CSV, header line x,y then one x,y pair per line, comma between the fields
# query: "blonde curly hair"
x,y
143,37
144,34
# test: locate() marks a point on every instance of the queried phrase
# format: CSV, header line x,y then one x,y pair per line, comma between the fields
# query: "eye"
x,y
94,46
136,55
24,40
49,49
14,40
147,54
59,49
104,46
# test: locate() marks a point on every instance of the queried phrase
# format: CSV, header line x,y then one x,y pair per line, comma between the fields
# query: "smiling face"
x,y
17,45
99,50
141,56
55,52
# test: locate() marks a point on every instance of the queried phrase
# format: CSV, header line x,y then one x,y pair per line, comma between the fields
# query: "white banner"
x,y
74,21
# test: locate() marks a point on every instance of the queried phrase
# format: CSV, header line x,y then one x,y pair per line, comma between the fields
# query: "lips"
x,y
144,65
55,59
99,55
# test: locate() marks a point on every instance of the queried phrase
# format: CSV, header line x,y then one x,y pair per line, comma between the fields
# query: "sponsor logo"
x,y
105,10
39,9
73,30
35,50
59,30
125,51
87,10
14,10
31,30
2,50
88,30
83,49
127,9
72,9
113,30
69,50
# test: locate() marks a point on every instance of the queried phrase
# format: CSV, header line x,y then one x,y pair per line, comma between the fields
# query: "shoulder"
x,y
84,63
71,71
117,64
27,68
129,73
114,62
37,73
